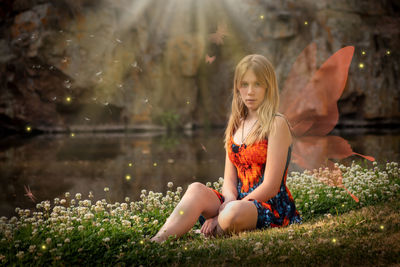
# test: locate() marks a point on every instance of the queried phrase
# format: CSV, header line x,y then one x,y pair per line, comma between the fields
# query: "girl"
x,y
258,145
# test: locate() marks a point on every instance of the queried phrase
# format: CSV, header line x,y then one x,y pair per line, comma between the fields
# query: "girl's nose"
x,y
251,89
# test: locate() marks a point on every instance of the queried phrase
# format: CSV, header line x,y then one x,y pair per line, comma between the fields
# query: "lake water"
x,y
127,163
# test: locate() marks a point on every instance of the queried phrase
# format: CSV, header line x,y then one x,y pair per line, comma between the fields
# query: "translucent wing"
x,y
310,105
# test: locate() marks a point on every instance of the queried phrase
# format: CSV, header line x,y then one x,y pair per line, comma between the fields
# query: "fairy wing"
x,y
310,105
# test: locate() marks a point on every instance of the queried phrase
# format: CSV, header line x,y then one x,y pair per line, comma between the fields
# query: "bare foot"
x,y
218,231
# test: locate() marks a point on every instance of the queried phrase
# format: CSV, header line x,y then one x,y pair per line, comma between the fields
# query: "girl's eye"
x,y
244,84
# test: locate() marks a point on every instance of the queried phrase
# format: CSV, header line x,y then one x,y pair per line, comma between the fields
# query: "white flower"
x,y
32,248
257,246
48,240
20,254
67,240
106,189
67,194
88,216
170,184
126,223
106,239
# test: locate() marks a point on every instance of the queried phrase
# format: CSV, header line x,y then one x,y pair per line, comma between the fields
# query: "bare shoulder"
x,y
280,129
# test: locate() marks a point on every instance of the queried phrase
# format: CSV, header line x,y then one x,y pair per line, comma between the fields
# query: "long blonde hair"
x,y
265,74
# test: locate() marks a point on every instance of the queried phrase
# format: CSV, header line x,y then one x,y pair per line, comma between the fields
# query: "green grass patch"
x,y
336,230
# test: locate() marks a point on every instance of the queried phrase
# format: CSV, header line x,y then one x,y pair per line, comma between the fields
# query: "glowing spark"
x,y
28,128
382,227
188,102
29,193
181,212
203,147
68,99
185,248
135,65
141,242
130,164
98,73
155,164
334,240
72,135
387,52
342,205
262,17
43,247
362,52
209,59
127,177
306,22
361,65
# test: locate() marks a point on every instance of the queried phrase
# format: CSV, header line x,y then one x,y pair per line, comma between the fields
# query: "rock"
x,y
124,64
5,52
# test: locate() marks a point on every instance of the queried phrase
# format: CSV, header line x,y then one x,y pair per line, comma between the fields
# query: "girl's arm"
x,y
279,141
229,188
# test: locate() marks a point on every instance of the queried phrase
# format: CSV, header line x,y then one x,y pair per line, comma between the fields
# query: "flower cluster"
x,y
65,225
321,192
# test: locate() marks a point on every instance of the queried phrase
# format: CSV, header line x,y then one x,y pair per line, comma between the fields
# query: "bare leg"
x,y
198,199
238,216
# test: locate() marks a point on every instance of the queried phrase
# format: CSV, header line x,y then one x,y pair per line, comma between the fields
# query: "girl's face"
x,y
251,91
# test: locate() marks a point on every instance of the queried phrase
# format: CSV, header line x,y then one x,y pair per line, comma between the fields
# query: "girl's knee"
x,y
196,186
230,215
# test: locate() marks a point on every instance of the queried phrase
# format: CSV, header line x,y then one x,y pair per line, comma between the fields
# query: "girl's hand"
x,y
209,226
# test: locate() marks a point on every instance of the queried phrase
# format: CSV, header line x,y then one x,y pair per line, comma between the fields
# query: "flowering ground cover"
x,y
335,228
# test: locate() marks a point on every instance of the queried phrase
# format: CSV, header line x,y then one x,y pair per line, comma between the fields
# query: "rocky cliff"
x,y
80,64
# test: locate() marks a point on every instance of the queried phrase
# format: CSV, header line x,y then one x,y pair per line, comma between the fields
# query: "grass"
x,y
336,230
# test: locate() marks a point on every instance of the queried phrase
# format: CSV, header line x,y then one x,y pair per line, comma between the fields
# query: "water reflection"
x,y
128,163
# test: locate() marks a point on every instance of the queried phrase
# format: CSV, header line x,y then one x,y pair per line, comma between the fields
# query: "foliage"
x,y
72,231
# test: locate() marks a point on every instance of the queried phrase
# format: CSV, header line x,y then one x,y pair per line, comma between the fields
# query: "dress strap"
x,y
290,126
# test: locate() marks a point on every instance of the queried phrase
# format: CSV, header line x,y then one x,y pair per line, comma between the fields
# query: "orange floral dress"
x,y
250,162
